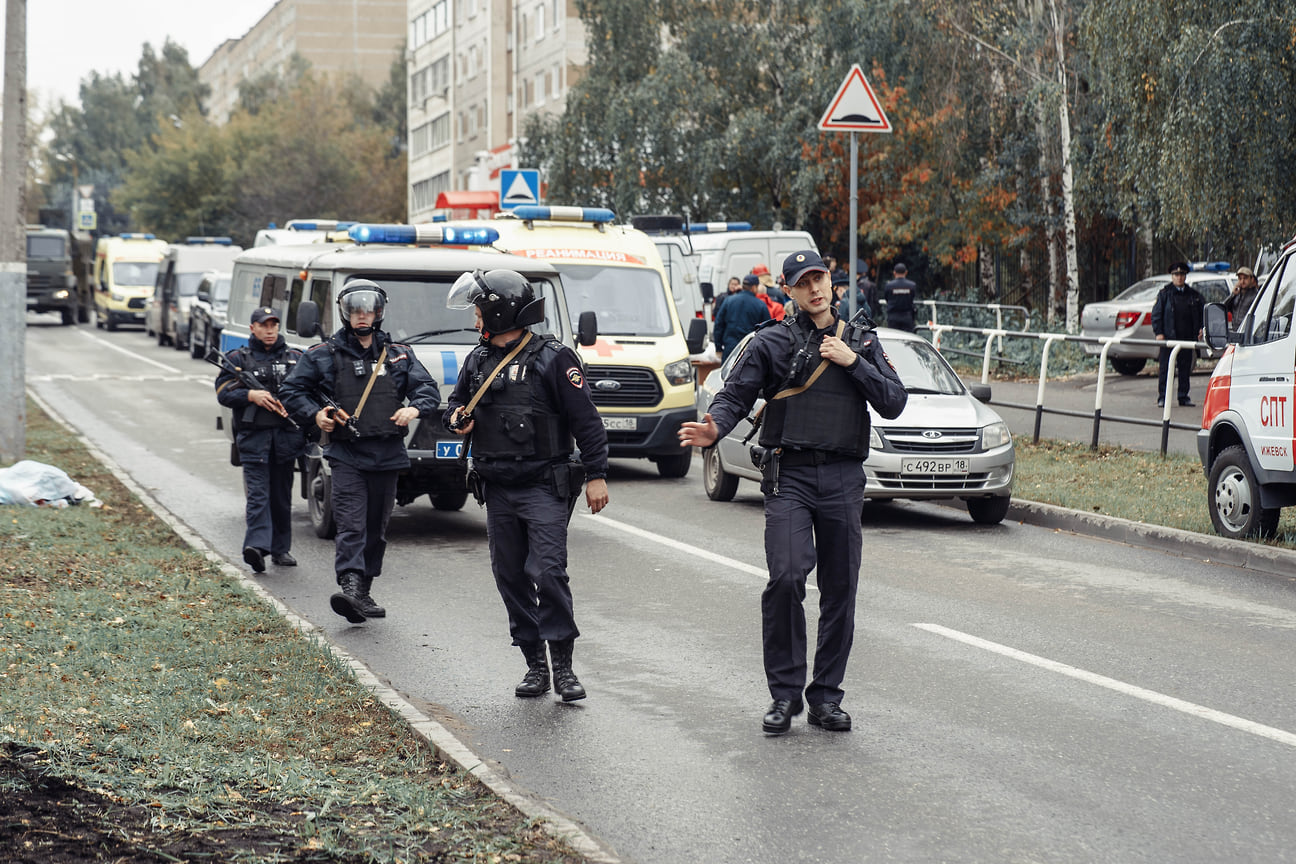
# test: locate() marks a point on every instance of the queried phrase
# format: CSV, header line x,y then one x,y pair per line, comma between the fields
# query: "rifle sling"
x,y
373,376
793,391
481,391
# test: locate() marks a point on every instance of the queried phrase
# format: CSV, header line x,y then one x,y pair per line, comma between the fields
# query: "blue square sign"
x,y
519,187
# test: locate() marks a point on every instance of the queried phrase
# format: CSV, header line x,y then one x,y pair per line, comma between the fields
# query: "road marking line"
x,y
90,335
1239,723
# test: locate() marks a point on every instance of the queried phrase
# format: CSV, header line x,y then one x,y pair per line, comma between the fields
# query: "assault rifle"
x,y
248,380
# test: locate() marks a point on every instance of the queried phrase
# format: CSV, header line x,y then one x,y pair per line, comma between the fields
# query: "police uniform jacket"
x,y
764,369
321,371
258,432
901,295
739,315
1177,314
557,407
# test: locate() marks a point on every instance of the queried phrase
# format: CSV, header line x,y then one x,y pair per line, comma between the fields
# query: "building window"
x,y
439,75
473,61
539,88
431,136
430,24
539,22
423,194
557,13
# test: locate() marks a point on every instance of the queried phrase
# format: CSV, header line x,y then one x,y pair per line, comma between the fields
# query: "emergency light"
x,y
318,225
1212,266
137,236
429,235
717,227
209,241
597,215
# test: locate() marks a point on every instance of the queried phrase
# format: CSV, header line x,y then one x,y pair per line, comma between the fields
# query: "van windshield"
x,y
628,301
188,283
136,273
45,247
416,312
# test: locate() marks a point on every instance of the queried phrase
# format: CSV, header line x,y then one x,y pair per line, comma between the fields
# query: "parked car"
x,y
207,315
1129,314
945,444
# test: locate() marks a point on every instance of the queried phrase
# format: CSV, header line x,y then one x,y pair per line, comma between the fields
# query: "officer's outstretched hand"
x,y
596,494
404,415
702,434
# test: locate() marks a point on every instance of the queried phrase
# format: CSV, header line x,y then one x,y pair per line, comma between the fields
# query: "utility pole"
x,y
13,237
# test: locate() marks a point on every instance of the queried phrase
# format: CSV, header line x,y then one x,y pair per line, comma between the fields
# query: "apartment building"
x,y
339,38
477,69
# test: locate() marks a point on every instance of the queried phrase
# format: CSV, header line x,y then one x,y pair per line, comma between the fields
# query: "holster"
x,y
766,459
568,478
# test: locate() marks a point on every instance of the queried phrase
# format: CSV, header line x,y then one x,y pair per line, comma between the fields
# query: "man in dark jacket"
x,y
901,298
1177,315
269,443
739,316
1242,296
369,377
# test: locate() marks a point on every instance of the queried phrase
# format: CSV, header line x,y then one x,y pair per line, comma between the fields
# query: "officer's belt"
x,y
793,458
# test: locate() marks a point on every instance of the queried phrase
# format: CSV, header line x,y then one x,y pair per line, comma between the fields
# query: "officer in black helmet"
x,y
819,375
523,398
369,378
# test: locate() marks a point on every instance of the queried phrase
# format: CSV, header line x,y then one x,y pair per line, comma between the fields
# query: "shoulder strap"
x,y
481,391
373,376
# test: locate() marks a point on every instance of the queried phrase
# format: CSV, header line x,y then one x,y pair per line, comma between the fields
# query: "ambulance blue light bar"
x,y
134,235
717,227
209,241
597,215
429,235
1212,266
318,225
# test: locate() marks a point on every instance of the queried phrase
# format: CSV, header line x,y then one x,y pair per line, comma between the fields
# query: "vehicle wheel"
x,y
195,349
675,466
1234,498
68,316
161,338
109,323
319,500
1128,365
450,500
988,511
720,485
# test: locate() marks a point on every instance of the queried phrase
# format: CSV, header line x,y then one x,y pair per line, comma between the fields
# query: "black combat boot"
x,y
564,679
536,680
347,601
368,607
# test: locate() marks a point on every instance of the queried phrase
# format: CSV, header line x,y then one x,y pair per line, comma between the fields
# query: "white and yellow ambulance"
x,y
638,368
125,270
1247,442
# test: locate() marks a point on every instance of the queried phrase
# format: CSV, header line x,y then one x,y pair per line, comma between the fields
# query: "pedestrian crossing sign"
x,y
519,187
855,108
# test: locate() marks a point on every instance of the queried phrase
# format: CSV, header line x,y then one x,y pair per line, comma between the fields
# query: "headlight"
x,y
875,440
118,298
995,435
60,295
679,372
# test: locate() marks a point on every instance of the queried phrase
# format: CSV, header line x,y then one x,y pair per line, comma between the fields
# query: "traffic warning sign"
x,y
855,108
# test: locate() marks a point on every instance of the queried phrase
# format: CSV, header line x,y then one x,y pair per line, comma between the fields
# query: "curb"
x,y
439,737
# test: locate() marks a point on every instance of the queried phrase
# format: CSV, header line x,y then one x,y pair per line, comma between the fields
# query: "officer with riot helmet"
x,y
354,387
818,375
269,443
522,397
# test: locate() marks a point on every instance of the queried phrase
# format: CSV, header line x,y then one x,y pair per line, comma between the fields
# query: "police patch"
x,y
575,377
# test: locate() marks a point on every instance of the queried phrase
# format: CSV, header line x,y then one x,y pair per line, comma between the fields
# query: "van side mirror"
x,y
1216,326
204,297
708,291
308,319
980,392
697,335
586,328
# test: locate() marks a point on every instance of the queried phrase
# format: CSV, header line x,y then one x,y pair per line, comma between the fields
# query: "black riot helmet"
x,y
362,295
506,300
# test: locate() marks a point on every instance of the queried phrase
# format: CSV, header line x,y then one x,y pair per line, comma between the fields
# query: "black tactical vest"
x,y
350,377
513,420
831,415
271,372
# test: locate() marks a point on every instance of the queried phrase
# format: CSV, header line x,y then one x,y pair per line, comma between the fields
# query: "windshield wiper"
x,y
428,334
926,390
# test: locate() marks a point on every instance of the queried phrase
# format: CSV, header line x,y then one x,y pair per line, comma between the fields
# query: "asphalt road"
x,y
1019,693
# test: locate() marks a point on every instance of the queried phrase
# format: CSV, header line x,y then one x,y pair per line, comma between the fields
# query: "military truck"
x,y
51,273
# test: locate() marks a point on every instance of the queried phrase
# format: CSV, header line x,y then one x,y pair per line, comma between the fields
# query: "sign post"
x,y
854,109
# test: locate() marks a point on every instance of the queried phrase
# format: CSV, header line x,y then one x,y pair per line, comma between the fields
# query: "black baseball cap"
x,y
798,264
264,313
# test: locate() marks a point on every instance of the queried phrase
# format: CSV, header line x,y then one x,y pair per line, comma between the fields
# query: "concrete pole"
x,y
13,237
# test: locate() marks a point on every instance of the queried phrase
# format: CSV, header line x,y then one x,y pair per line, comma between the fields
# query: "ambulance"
x,y
1247,439
727,249
638,367
125,271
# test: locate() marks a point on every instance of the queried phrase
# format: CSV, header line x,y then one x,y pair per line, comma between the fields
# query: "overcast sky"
x,y
68,39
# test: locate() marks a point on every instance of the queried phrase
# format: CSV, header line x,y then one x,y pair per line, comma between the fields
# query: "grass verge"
x,y
169,710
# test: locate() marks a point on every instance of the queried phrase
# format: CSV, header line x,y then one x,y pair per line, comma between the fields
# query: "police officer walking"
x,y
818,376
367,377
522,396
269,443
901,298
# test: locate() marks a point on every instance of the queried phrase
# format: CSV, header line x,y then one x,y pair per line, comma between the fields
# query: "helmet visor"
x,y
466,291
362,300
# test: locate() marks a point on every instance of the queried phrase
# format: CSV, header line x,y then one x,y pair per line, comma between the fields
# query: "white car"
x,y
945,444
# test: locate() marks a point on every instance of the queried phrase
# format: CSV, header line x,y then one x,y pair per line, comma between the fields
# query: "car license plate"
x,y
621,424
934,466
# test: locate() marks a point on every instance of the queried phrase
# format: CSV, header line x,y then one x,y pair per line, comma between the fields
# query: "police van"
x,y
638,368
727,249
302,282
1248,439
179,273
125,272
671,236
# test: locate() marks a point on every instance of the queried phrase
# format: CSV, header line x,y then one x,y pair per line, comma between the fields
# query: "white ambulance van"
x,y
298,231
726,249
1247,439
675,246
638,368
302,282
125,271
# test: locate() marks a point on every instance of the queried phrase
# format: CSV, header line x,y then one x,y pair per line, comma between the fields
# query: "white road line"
x,y
89,335
1239,723
696,551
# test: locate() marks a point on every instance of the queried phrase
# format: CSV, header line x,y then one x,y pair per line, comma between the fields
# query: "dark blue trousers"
x,y
527,531
1183,372
814,522
362,504
269,505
